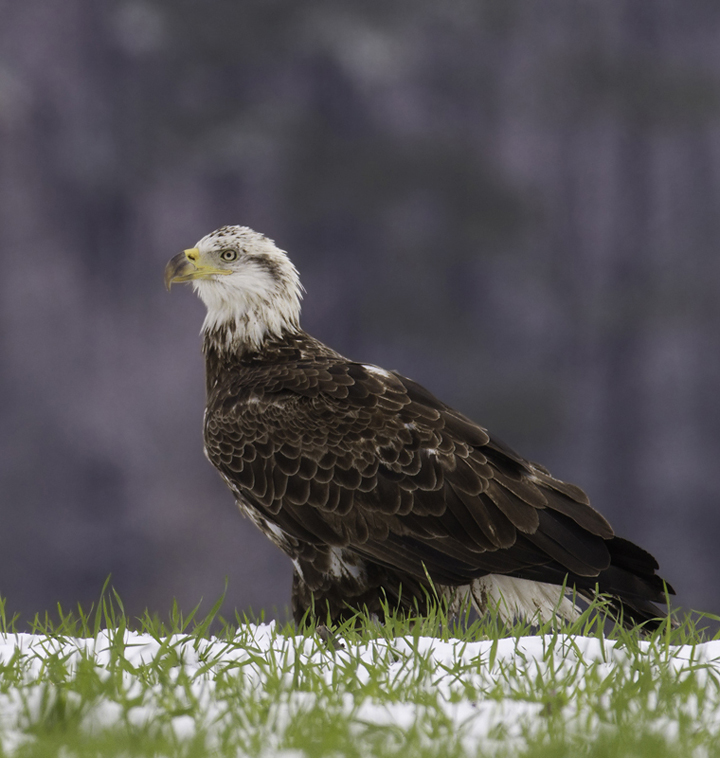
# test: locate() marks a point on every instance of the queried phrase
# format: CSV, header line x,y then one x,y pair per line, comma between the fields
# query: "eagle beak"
x,y
186,266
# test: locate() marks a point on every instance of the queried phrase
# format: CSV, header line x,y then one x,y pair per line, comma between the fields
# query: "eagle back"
x,y
335,452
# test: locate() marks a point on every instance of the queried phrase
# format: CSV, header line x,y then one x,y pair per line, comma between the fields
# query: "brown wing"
x,y
337,453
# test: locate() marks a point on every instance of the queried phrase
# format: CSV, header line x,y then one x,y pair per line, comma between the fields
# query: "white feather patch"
x,y
340,567
377,371
519,598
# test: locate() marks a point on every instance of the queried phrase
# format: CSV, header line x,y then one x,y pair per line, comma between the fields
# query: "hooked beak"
x,y
188,265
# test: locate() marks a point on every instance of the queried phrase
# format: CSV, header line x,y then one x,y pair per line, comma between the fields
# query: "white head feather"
x,y
259,298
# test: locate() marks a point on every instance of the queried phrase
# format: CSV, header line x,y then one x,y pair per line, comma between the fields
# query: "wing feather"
x,y
520,513
476,521
494,524
338,453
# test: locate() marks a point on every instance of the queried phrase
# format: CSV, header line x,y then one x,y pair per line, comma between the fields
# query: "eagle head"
x,y
250,287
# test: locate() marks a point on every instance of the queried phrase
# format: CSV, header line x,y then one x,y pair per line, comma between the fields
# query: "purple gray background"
x,y
514,203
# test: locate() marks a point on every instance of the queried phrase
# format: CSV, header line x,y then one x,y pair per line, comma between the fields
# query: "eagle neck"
x,y
242,335
222,358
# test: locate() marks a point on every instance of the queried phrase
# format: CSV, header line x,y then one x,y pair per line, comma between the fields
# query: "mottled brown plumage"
x,y
371,484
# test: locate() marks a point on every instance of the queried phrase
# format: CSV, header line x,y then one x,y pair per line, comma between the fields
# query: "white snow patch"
x,y
500,721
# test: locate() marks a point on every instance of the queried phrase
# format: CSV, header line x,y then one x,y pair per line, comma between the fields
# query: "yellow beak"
x,y
188,265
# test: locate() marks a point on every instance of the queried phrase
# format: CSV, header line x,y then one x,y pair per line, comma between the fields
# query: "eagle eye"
x,y
229,255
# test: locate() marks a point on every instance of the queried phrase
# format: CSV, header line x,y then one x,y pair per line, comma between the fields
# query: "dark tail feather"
x,y
633,584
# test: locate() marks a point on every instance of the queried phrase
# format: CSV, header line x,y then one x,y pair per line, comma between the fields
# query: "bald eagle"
x,y
380,494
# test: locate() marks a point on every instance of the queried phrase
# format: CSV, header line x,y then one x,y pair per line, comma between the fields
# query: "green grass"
x,y
98,683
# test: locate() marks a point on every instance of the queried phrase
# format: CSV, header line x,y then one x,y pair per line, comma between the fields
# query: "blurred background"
x,y
517,204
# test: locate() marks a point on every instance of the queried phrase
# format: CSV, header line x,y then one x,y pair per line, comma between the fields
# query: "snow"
x,y
498,670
